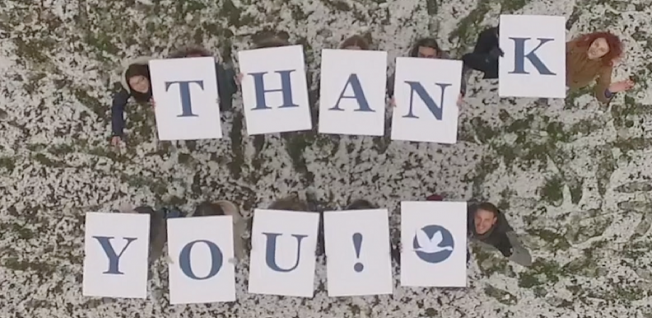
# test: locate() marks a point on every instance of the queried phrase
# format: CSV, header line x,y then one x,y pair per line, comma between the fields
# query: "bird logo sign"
x,y
433,244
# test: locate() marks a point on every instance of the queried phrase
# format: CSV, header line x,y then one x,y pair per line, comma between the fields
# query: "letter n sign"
x,y
534,64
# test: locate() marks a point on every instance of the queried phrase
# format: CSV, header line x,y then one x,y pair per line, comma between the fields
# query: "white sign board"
x,y
283,253
426,93
433,242
187,102
534,64
202,268
274,90
352,92
358,253
116,247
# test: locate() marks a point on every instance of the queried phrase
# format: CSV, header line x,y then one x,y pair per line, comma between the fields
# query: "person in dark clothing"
x,y
485,55
158,234
226,85
425,48
488,226
136,83
224,207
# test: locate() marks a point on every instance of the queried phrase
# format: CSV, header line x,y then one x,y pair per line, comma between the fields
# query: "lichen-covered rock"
x,y
573,176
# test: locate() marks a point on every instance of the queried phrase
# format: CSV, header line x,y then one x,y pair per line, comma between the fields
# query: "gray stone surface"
x,y
573,176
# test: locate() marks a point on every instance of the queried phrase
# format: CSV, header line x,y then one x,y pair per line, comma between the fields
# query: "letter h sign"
x,y
534,64
275,90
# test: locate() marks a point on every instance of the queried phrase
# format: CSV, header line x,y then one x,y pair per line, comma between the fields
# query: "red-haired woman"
x,y
592,57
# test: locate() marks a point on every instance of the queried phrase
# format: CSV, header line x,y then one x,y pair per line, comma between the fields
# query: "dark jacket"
x,y
487,41
121,98
497,236
443,55
226,87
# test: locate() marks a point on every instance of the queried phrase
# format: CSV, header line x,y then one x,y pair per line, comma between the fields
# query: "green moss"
x,y
470,26
511,6
556,242
8,163
552,190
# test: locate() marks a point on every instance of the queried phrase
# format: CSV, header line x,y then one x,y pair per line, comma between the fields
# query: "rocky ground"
x,y
573,176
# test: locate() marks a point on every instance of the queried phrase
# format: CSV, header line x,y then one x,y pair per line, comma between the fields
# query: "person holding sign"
x,y
136,83
226,208
592,57
226,76
486,52
425,48
158,228
488,226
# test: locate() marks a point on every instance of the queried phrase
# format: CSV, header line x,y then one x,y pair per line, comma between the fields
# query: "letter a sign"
x,y
534,64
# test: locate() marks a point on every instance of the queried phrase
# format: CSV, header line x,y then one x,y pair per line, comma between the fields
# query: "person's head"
x,y
426,48
191,51
289,203
137,76
208,209
602,45
272,42
360,204
355,42
485,217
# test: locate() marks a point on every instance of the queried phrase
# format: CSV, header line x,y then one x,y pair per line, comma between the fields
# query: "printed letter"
x,y
286,90
114,259
216,260
358,94
271,251
435,109
184,89
520,56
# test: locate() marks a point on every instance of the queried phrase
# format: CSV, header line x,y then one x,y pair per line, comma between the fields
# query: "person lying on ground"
x,y
226,208
226,77
486,53
136,83
425,48
488,226
592,57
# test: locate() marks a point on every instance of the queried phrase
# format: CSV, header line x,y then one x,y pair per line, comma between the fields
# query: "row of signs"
x,y
282,257
353,87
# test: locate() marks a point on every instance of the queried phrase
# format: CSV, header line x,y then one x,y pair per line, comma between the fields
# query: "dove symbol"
x,y
431,245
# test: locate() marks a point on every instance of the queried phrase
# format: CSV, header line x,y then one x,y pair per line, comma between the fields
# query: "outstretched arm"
x,y
120,100
601,90
520,255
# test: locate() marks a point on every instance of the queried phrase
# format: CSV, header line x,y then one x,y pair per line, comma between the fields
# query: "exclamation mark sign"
x,y
357,245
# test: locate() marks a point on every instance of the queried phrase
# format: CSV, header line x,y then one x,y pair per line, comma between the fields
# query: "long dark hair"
x,y
208,209
355,40
139,70
425,42
615,45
